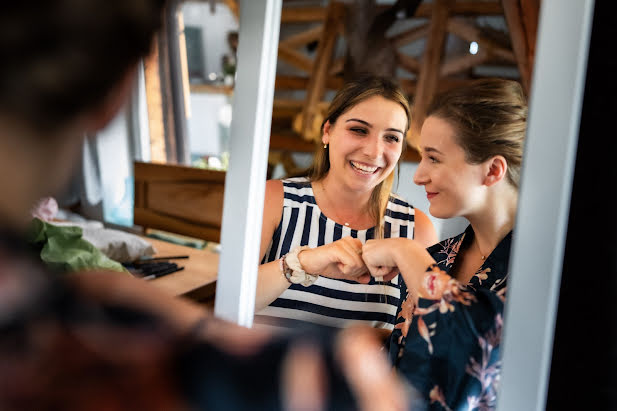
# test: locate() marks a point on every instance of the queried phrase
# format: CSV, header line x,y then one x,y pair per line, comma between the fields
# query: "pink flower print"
x,y
482,275
407,314
486,372
436,395
450,249
425,333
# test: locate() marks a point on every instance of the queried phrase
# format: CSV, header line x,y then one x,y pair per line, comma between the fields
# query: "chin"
x,y
438,213
359,185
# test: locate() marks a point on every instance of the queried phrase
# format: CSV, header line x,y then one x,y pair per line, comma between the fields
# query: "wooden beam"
x,y
212,89
184,65
408,86
289,104
291,142
284,82
469,32
337,66
410,35
154,104
233,6
522,19
284,113
295,58
445,83
288,108
460,8
429,68
319,73
303,14
409,63
302,38
462,63
503,54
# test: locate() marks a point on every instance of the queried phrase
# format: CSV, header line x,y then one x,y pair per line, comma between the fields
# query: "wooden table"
x,y
198,279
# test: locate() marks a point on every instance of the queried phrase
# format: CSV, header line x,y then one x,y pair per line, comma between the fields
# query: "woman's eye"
x,y
393,138
433,159
359,130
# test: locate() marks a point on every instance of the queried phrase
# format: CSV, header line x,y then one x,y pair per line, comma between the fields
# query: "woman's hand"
x,y
341,259
387,257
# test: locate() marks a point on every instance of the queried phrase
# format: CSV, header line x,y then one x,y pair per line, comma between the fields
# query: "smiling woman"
x,y
314,226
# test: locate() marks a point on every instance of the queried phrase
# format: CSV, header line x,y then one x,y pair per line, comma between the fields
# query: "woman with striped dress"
x,y
314,227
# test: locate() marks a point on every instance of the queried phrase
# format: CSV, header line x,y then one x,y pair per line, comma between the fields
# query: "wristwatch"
x,y
293,270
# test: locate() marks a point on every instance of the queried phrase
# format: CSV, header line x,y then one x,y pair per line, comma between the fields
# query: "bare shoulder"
x,y
273,208
274,195
424,231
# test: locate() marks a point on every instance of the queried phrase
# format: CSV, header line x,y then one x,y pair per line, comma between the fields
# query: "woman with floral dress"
x,y
448,332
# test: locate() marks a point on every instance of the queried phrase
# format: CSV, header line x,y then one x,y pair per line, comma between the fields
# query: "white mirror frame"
x,y
544,202
260,21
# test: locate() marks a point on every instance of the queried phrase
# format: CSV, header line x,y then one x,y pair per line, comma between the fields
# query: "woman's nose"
x,y
420,177
373,148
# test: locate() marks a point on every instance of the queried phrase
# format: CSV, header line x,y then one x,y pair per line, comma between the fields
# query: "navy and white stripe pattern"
x,y
329,302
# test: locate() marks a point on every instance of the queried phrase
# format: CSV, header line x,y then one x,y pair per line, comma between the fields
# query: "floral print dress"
x,y
449,349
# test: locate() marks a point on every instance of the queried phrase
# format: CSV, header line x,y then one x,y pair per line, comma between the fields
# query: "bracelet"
x,y
292,269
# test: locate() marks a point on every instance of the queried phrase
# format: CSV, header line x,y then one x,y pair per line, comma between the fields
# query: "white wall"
x,y
204,131
214,30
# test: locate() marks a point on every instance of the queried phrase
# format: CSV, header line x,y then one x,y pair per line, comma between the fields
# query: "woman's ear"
x,y
325,138
497,169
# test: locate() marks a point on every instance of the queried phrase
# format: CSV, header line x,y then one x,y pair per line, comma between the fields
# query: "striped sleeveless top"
x,y
329,302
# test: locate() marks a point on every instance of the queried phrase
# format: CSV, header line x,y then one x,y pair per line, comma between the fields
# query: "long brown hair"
x,y
353,93
489,117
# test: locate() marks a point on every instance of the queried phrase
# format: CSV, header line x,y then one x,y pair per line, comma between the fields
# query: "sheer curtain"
x,y
103,181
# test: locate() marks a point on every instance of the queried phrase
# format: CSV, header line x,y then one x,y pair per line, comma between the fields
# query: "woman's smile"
x,y
364,168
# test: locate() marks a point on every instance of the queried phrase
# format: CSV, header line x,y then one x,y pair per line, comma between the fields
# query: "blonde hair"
x,y
353,93
489,117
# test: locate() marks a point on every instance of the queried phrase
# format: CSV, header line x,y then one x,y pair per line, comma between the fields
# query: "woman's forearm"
x,y
413,262
270,284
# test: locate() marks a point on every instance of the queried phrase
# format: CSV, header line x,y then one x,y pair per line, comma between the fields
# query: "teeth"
x,y
361,167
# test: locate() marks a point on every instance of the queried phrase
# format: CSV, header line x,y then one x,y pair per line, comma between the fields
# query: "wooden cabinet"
x,y
179,199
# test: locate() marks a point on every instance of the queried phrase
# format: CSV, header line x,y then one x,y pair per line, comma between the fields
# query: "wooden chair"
x,y
179,199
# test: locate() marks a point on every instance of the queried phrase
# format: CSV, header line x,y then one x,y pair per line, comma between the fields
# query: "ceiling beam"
x,y
522,19
319,72
429,67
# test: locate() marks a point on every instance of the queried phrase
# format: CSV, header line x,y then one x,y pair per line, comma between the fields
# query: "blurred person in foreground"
x,y
105,340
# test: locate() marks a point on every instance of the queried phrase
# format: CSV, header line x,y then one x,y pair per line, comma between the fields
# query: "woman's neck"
x,y
495,220
344,206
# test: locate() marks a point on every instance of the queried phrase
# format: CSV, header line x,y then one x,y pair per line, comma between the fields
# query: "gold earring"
x,y
325,146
